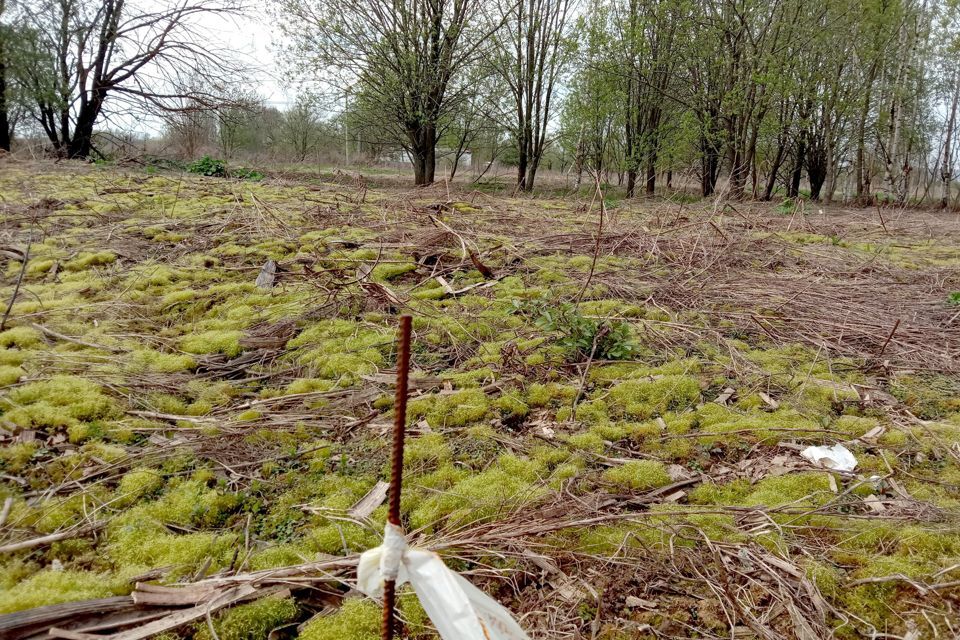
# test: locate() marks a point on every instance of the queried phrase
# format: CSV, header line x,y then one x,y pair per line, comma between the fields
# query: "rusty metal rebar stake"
x,y
396,466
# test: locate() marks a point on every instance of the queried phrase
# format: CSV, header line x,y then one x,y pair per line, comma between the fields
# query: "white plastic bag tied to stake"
x,y
837,457
458,609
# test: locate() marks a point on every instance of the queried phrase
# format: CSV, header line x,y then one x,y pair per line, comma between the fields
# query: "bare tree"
x,y
236,121
100,53
300,128
529,53
191,129
403,59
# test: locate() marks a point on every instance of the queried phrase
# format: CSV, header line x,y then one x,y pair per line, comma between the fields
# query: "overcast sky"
x,y
255,40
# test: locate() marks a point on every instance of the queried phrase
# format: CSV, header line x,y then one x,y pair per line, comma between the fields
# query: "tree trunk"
x,y
946,171
423,153
862,173
522,168
4,117
817,174
454,165
531,176
651,175
793,188
81,144
631,181
709,165
739,170
774,170
830,171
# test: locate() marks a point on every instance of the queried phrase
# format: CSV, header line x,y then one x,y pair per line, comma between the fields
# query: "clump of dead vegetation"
x,y
605,428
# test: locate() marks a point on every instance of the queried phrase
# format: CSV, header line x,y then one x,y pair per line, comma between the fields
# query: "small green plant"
x,y
213,167
787,206
207,166
244,173
585,337
954,299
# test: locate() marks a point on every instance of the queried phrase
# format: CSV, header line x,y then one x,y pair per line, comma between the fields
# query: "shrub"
x,y
584,337
243,173
207,166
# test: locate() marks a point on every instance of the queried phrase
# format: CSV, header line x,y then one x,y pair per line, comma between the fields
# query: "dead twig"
x,y
16,287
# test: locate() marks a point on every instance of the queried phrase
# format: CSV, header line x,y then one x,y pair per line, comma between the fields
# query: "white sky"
x,y
255,40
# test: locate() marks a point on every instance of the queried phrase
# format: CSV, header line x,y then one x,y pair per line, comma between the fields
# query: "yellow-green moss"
x,y
823,398
9,375
928,396
512,406
53,587
453,410
14,457
752,426
62,401
731,493
282,555
646,398
804,489
177,297
309,385
357,619
23,337
638,475
425,452
506,484
619,371
160,362
147,546
87,259
40,267
341,350
341,538
592,412
252,621
612,540
184,503
472,378
855,426
587,441
225,342
166,403
542,395
12,357
800,362
137,484
384,272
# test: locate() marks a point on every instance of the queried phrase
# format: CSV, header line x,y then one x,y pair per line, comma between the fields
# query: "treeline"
x,y
854,98
247,127
840,99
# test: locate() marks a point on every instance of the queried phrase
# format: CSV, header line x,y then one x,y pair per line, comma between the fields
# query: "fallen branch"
x,y
16,287
66,338
50,539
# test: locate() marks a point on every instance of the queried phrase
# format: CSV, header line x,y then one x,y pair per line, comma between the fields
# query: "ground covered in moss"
x,y
604,429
